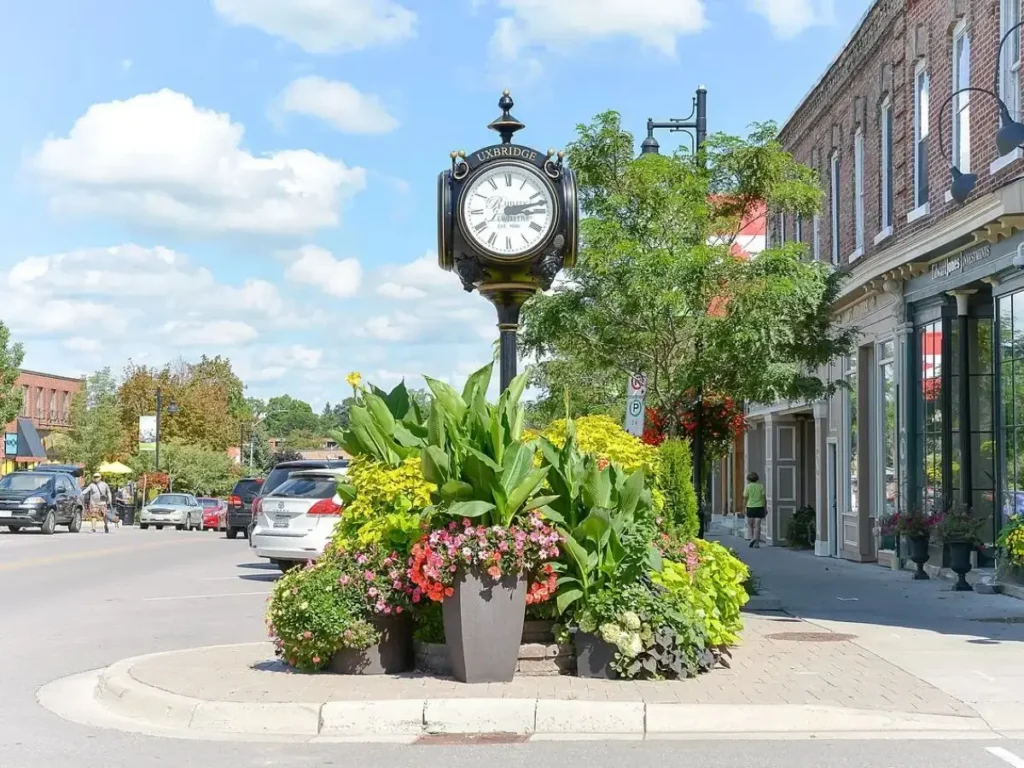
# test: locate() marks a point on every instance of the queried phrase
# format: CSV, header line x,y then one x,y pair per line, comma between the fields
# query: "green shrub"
x,y
676,481
428,623
801,530
311,617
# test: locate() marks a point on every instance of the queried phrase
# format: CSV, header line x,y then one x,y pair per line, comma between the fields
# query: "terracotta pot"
x,y
391,656
483,625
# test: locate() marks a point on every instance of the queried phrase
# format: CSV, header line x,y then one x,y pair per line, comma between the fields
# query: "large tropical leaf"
x,y
630,493
515,465
477,384
518,496
470,509
596,490
398,401
456,490
435,464
449,399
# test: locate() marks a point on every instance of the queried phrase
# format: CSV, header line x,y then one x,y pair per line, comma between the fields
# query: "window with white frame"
x,y
961,101
858,190
886,185
1009,65
921,126
816,237
834,164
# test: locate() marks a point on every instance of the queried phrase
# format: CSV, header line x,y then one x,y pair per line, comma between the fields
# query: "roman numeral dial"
x,y
507,210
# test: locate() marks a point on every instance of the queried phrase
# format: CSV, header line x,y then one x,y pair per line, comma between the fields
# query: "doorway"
x,y
833,499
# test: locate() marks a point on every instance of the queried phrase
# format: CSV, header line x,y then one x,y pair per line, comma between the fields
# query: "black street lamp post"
x,y
697,126
172,408
1009,137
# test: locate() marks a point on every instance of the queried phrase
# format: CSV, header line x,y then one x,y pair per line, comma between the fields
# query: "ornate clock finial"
x,y
505,124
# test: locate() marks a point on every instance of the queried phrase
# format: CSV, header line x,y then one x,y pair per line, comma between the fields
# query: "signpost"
x,y
635,395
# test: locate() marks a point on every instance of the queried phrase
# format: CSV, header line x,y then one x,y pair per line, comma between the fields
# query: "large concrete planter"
x,y
391,656
594,657
919,555
483,626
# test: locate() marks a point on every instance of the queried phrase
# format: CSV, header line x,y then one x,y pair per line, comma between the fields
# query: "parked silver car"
x,y
182,510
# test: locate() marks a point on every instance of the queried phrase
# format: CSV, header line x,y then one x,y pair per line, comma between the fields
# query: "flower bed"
x,y
459,518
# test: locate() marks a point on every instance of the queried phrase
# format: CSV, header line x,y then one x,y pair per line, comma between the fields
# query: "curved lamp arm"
x,y
962,183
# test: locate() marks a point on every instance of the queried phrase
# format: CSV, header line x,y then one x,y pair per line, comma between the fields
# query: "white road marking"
x,y
202,597
982,674
1006,756
221,578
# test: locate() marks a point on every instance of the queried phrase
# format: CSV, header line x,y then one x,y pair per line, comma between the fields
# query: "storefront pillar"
x,y
821,496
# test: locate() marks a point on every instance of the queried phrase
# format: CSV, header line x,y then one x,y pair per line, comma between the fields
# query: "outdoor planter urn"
x,y
594,657
391,656
483,625
960,563
919,555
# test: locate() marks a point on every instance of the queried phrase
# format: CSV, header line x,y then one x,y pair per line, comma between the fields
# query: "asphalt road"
x,y
72,603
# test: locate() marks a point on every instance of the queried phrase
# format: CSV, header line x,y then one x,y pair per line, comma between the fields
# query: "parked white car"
x,y
182,510
296,519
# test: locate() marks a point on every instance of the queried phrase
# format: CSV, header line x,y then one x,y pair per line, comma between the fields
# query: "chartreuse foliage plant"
x,y
384,505
475,454
1011,541
676,481
715,588
605,438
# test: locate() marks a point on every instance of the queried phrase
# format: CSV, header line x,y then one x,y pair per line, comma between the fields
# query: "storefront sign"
x,y
960,262
11,444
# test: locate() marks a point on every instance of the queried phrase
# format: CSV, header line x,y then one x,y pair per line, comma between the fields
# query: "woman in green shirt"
x,y
753,495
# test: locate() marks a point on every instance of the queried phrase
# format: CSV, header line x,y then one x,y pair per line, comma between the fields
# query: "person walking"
x,y
98,500
754,496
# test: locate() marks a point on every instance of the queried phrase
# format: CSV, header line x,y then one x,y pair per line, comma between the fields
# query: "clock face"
x,y
508,210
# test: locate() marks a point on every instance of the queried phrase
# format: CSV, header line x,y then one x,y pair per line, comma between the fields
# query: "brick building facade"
x,y
930,415
46,407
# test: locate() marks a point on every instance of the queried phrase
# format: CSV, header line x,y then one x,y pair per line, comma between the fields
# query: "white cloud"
x,y
83,345
303,357
417,279
559,24
396,291
159,159
208,333
789,18
339,104
317,266
325,26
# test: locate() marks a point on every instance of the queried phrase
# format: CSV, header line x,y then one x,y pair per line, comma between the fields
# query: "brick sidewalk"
x,y
764,671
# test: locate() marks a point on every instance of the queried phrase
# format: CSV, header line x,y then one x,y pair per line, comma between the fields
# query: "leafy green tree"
x,y
285,415
657,288
11,357
199,470
95,433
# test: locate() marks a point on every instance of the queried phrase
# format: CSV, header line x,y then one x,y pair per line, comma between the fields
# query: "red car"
x,y
215,513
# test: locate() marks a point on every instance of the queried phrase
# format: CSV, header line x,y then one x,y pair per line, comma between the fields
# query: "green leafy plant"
x,y
388,427
474,453
607,520
915,523
1011,541
715,589
655,634
958,524
311,617
428,623
676,481
801,530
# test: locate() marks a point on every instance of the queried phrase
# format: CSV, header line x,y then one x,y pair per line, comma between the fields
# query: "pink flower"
x,y
307,634
396,584
372,592
343,580
361,559
369,575
316,659
398,609
381,605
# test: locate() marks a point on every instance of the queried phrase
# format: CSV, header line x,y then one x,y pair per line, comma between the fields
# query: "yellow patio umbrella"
x,y
115,468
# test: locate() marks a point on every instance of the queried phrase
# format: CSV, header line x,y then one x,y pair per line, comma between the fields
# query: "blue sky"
x,y
256,178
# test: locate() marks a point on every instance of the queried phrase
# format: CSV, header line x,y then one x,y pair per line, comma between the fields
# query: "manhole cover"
x,y
811,637
1002,620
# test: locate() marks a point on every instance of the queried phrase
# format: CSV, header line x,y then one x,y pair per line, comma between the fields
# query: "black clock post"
x,y
507,222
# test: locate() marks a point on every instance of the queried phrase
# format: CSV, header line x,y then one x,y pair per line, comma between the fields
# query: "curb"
x,y
146,705
764,600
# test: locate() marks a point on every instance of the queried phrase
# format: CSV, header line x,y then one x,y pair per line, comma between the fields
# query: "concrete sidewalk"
x,y
967,645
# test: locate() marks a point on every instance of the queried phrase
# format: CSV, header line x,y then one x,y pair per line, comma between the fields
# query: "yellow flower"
x,y
354,379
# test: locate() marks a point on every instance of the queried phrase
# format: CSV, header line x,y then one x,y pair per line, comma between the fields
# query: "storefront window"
x,y
1011,374
887,432
929,345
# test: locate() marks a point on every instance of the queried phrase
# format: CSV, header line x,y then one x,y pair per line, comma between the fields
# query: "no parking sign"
x,y
636,392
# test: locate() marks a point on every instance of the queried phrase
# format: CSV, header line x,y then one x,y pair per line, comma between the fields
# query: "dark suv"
x,y
282,472
41,500
240,505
